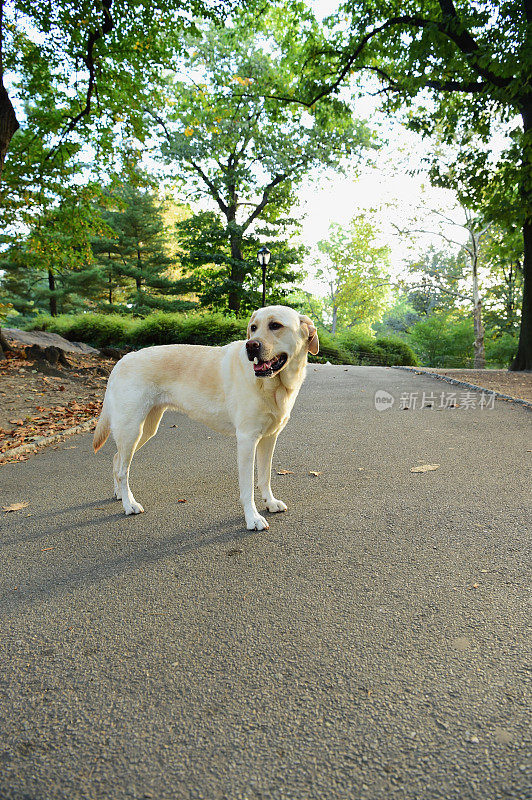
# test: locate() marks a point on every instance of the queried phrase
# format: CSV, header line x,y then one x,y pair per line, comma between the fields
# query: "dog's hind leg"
x,y
126,438
148,429
151,425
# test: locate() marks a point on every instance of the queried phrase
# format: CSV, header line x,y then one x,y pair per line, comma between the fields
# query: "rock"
x,y
46,339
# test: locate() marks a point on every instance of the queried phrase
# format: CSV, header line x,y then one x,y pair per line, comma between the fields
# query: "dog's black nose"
x,y
253,348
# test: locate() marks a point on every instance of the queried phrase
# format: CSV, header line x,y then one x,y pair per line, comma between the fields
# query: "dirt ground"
x,y
34,405
514,384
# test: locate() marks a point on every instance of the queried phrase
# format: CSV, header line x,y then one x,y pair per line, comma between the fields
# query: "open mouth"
x,y
263,369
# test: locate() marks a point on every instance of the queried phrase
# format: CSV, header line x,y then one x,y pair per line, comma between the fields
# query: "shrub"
x,y
209,329
383,351
331,350
398,353
443,339
501,352
99,330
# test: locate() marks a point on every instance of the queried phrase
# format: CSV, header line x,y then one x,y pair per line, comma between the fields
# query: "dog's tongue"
x,y
264,366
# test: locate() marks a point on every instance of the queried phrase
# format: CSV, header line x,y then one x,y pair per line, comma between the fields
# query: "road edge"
x,y
508,398
32,447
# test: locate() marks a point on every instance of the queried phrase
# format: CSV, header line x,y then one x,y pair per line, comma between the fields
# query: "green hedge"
x,y
211,329
101,330
385,351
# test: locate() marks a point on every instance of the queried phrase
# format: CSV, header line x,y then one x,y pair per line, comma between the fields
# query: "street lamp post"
x,y
263,257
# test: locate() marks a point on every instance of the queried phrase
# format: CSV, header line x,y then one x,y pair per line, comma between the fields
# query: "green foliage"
x,y
207,258
135,246
102,330
99,330
232,141
501,351
381,351
443,339
355,271
208,329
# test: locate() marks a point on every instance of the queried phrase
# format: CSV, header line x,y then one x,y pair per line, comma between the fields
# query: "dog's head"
x,y
276,336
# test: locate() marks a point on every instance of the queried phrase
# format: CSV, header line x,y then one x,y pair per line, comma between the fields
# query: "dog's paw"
x,y
256,523
274,505
133,508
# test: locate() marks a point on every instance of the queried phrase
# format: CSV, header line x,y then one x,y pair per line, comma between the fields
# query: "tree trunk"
x,y
479,360
53,298
110,290
8,124
334,319
238,271
523,359
4,345
8,119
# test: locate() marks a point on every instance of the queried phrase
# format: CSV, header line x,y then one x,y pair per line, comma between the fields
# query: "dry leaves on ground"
x,y
47,422
15,507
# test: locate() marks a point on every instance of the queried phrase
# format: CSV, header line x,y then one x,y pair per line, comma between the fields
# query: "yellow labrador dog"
x,y
245,388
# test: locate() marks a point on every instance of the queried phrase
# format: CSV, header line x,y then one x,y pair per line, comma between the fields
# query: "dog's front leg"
x,y
265,450
246,462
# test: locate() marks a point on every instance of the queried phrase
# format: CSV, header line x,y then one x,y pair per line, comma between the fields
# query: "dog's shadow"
x,y
127,555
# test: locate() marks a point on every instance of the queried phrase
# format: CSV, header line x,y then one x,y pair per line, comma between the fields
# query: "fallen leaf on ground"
x,y
284,472
15,507
313,472
16,422
425,468
182,500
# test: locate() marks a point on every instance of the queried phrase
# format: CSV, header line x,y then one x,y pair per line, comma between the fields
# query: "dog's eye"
x,y
253,328
274,326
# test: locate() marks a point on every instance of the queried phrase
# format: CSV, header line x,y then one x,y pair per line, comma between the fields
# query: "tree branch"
x,y
212,188
88,59
265,197
448,27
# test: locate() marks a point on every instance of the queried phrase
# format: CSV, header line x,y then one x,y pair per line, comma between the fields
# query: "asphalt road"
x,y
374,643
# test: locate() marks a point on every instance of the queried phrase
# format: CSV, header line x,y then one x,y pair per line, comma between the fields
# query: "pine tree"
x,y
133,257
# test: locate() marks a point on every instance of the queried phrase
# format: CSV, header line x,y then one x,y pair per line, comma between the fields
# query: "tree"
x,y
207,259
443,339
37,267
467,65
244,152
114,50
503,259
355,273
135,247
448,279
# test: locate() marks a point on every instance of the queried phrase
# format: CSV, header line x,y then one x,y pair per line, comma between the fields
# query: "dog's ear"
x,y
312,334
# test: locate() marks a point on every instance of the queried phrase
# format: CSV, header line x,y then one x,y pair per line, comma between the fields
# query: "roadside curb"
x,y
32,447
523,403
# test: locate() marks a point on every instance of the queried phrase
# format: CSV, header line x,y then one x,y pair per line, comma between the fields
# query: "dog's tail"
x,y
103,429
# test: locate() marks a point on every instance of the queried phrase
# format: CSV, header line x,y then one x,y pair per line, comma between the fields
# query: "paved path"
x,y
372,644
